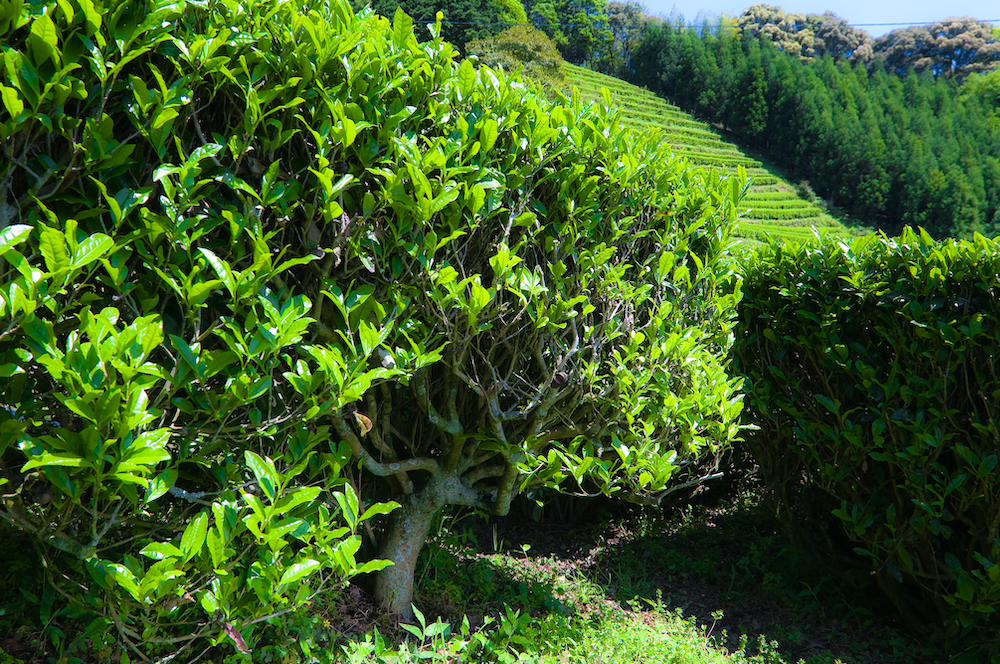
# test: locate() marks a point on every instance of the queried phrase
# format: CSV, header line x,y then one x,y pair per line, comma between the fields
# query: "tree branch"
x,y
379,420
420,390
505,491
481,473
375,467
656,499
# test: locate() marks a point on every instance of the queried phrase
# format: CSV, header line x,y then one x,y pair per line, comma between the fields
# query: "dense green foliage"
x,y
163,435
243,248
808,35
524,50
951,47
881,128
570,274
463,20
871,373
886,150
595,33
578,27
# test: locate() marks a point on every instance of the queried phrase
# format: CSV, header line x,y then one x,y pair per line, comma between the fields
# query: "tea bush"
x,y
871,372
161,430
268,264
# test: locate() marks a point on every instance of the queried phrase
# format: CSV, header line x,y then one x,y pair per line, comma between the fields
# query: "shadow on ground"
x,y
728,566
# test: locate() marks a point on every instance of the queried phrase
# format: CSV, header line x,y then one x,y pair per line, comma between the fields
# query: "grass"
x,y
773,209
703,585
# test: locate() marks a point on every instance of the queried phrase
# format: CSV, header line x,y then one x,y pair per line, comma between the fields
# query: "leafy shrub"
x,y
250,243
871,371
570,278
161,429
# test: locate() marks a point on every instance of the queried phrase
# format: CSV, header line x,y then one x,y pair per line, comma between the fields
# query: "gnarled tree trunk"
x,y
411,526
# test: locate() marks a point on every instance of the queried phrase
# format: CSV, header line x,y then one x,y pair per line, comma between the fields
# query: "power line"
x,y
799,26
886,25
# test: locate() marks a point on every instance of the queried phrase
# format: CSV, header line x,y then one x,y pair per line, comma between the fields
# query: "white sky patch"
x,y
862,13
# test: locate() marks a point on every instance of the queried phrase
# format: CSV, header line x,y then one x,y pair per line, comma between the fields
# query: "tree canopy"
x,y
521,49
464,20
807,35
788,32
952,47
835,37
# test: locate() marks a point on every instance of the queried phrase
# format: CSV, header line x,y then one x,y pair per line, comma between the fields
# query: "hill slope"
x,y
772,208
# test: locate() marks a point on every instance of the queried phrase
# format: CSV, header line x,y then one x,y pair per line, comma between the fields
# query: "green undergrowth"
x,y
705,585
734,571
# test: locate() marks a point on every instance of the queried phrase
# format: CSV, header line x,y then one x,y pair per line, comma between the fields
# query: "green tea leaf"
x,y
10,15
297,497
402,28
54,249
126,579
91,249
209,602
379,508
48,459
190,356
160,484
830,404
298,571
488,134
92,16
43,40
221,268
11,101
143,457
265,473
216,548
161,551
12,236
466,77
374,566
348,501
194,536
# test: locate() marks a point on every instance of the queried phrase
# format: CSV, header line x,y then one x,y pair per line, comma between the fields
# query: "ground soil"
x,y
704,562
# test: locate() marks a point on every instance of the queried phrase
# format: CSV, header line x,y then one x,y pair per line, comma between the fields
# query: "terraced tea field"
x,y
771,209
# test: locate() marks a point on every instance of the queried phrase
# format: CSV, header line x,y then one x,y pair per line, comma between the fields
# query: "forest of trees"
x,y
888,145
465,20
903,129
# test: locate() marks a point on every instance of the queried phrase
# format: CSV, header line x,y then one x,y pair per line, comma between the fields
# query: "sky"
x,y
857,12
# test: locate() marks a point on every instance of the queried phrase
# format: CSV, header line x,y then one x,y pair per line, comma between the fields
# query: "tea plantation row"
x,y
873,382
771,209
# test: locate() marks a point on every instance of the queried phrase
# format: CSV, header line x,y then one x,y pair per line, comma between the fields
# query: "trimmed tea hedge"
x,y
872,372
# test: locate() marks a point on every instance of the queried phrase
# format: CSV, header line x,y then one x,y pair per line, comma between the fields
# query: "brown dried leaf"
x,y
364,423
237,638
